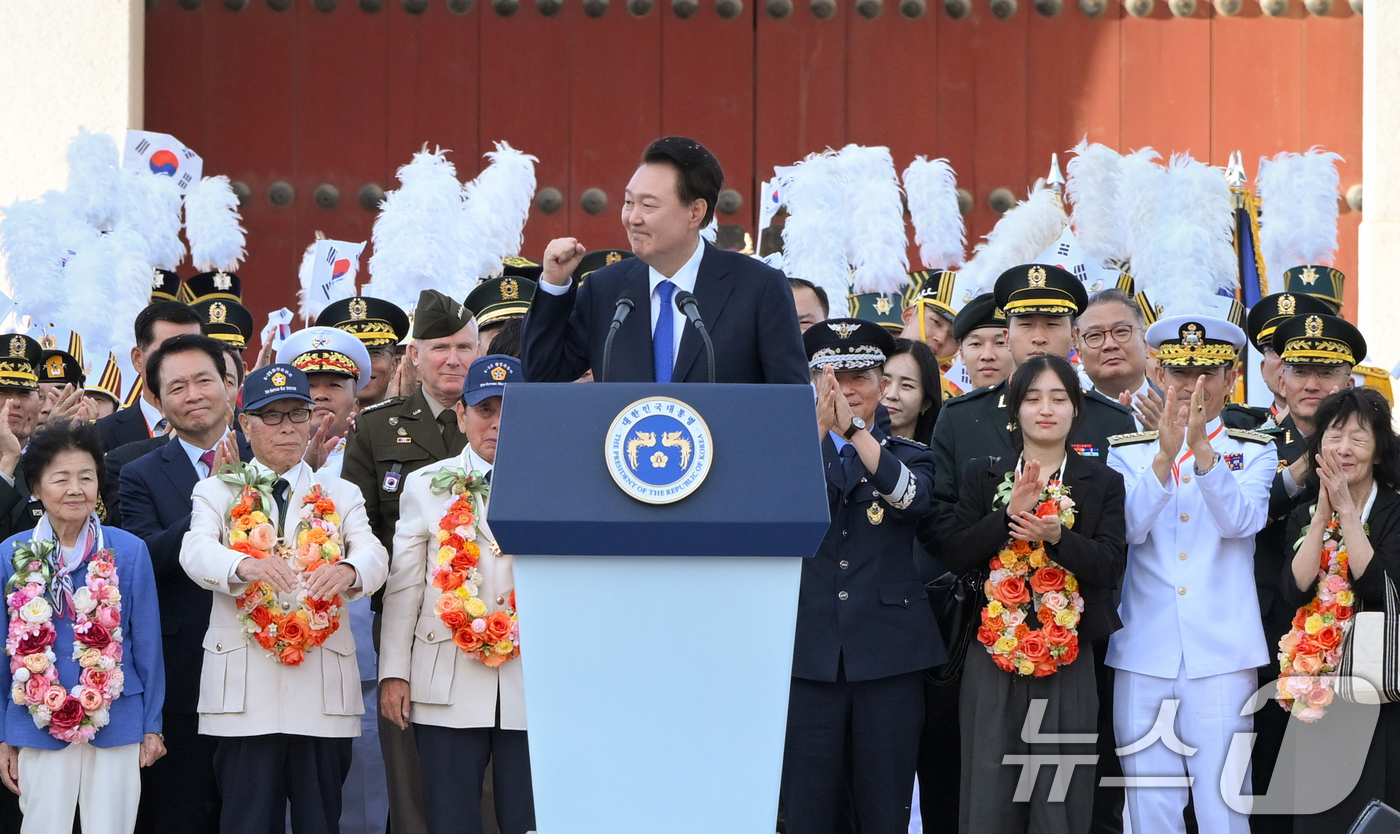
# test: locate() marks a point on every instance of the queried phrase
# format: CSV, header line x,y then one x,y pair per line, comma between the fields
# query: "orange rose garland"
x,y
1023,580
286,634
494,637
1310,652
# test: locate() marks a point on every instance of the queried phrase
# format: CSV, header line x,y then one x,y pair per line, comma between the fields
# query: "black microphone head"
x,y
684,299
625,301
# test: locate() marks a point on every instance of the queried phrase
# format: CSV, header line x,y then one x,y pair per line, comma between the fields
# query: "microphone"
x,y
624,306
687,304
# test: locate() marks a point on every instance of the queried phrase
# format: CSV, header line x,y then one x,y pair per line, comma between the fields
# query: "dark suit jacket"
x,y
123,426
115,460
746,305
155,497
884,626
18,509
1273,551
1095,549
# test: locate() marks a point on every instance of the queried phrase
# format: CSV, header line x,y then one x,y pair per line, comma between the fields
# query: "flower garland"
x,y
73,716
287,634
491,638
1312,649
1024,579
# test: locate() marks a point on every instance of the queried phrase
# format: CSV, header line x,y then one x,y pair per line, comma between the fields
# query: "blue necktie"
x,y
848,457
663,340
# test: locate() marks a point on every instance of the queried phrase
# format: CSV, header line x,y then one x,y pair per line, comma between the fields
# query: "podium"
x,y
656,638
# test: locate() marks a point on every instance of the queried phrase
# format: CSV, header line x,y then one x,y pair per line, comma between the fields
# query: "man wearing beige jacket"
x,y
284,549
449,649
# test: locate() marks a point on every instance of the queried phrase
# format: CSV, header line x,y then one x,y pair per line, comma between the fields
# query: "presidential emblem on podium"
x,y
659,450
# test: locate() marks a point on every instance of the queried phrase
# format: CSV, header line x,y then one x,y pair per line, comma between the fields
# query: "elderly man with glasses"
x,y
1113,354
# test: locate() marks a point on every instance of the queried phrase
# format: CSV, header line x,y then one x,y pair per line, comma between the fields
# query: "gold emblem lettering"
x,y
17,347
1036,276
640,440
359,310
223,281
676,440
843,329
1313,326
883,304
218,313
1309,275
875,513
510,289
1287,304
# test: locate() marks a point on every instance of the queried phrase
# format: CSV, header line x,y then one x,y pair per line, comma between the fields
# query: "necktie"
x,y
848,456
208,460
279,494
447,424
663,340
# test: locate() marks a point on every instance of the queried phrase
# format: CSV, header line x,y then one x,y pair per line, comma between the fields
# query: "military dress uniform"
x,y
865,631
1191,626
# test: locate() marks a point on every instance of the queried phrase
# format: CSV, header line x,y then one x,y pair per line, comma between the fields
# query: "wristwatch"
x,y
857,424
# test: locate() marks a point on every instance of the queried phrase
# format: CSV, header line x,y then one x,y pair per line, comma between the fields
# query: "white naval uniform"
x,y
1191,625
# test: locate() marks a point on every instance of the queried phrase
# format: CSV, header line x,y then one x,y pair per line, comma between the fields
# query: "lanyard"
x,y
1176,467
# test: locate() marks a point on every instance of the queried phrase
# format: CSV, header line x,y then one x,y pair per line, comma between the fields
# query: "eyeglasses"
x,y
274,418
1325,373
1095,338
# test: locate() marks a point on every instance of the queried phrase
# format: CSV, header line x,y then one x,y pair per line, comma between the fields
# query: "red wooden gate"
x,y
330,96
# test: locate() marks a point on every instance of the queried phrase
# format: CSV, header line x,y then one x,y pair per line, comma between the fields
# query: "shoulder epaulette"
x,y
1097,397
1130,439
902,441
1251,436
383,403
969,396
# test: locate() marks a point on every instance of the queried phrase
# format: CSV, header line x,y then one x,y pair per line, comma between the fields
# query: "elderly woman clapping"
x,y
84,679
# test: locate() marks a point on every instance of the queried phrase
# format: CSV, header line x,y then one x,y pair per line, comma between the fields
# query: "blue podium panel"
x,y
656,690
553,491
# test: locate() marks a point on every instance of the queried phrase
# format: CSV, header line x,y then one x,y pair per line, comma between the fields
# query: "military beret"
x,y
981,311
438,316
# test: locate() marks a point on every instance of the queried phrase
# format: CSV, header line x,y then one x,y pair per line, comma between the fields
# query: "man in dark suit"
x,y
865,632
745,304
186,374
20,403
142,419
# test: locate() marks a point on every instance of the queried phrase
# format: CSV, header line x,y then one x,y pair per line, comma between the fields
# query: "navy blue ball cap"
x,y
487,377
275,382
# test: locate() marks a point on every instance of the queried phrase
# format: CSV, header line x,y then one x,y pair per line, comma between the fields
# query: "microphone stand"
x,y
691,308
624,306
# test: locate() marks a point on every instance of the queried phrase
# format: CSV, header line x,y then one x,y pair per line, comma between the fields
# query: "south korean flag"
x,y
333,272
161,153
1069,255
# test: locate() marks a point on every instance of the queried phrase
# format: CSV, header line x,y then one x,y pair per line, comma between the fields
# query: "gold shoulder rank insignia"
x,y
1250,436
1130,439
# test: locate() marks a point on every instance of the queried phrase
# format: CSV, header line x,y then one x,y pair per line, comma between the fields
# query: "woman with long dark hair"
x,y
1045,529
913,391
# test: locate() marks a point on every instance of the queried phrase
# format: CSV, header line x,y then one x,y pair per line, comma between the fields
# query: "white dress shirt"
x,y
684,279
1189,597
152,415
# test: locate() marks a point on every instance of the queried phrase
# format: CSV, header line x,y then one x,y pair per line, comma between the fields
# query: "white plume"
x,y
1188,255
417,236
1092,187
711,230
211,224
876,243
151,208
94,182
115,268
1018,238
1141,180
814,237
497,206
932,189
37,238
308,306
1298,210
